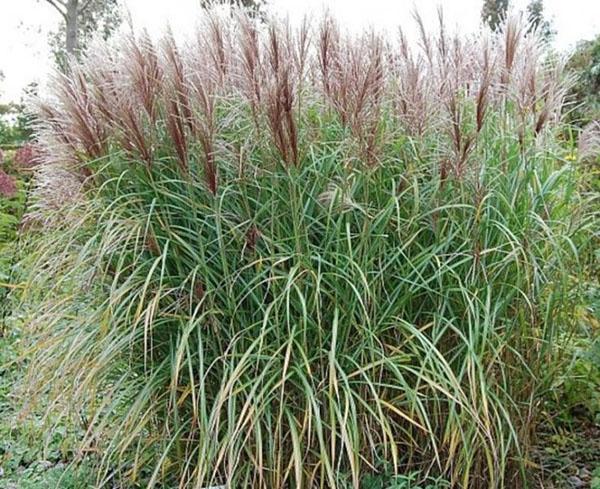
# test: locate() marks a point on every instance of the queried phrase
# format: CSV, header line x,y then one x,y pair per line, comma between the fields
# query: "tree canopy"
x,y
535,16
493,12
82,19
254,6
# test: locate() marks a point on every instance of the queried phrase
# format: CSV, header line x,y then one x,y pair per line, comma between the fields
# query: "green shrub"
x,y
13,132
12,205
584,64
271,263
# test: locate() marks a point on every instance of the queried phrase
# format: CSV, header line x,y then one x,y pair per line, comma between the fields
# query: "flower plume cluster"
x,y
444,86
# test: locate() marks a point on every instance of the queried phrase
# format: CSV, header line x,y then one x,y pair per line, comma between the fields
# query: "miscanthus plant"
x,y
291,257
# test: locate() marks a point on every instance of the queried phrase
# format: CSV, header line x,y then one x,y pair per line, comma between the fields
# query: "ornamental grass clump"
x,y
292,257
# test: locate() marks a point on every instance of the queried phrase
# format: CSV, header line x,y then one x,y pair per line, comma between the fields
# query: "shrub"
x,y
27,156
289,257
584,64
8,186
14,125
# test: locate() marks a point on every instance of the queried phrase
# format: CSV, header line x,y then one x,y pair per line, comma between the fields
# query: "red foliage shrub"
x,y
27,156
8,186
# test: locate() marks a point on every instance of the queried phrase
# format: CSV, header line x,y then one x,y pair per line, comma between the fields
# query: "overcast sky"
x,y
24,24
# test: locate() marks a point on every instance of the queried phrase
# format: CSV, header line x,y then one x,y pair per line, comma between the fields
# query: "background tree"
x,y
535,15
493,12
81,20
255,6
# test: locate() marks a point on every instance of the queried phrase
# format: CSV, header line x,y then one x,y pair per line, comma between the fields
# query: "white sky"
x,y
24,24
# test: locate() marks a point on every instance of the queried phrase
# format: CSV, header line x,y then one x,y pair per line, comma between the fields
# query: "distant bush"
x,y
12,201
27,156
284,257
14,125
8,186
584,64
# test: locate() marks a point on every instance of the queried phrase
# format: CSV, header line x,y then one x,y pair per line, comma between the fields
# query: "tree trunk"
x,y
71,20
